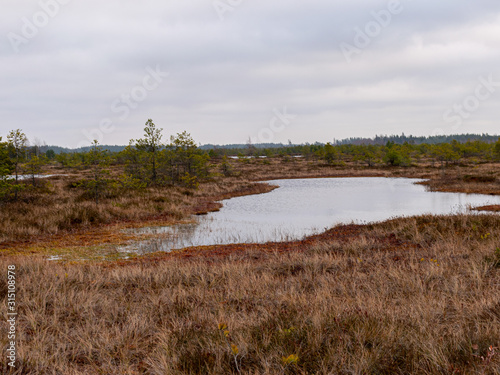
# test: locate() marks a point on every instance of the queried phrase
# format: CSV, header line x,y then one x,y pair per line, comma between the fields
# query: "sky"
x,y
230,71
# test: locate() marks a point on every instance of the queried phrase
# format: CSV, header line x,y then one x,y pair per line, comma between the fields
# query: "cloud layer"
x,y
73,70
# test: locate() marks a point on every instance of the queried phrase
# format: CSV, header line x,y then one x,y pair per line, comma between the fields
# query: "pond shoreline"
x,y
303,207
111,234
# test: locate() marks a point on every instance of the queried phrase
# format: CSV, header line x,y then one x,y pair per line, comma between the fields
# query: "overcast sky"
x,y
230,70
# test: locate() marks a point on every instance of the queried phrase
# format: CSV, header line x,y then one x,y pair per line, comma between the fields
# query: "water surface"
x,y
28,176
303,207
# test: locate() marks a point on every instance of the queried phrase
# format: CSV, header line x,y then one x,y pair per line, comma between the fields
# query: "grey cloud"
x,y
226,77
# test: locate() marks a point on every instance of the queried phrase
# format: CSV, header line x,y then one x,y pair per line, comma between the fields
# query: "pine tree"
x,y
151,146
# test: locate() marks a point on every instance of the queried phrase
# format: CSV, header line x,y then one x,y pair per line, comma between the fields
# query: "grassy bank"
x,y
60,209
417,295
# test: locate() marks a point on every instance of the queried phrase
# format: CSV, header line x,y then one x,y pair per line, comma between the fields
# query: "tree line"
x,y
433,139
377,140
152,161
389,154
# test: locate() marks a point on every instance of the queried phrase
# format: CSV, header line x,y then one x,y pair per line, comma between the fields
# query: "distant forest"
x,y
377,140
432,140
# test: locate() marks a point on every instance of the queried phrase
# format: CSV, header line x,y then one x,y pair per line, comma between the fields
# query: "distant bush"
x,y
396,159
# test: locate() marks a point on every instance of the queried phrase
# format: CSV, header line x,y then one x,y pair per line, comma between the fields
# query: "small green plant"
x,y
129,182
98,161
291,360
432,261
234,350
288,331
226,168
485,236
190,181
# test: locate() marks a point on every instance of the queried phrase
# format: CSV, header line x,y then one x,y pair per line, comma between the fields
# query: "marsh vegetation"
x,y
410,295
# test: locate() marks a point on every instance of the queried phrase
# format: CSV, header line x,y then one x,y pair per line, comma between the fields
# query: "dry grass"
x,y
491,208
60,209
481,179
409,296
474,177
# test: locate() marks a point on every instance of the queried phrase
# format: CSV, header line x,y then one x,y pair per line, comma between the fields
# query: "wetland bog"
x,y
299,208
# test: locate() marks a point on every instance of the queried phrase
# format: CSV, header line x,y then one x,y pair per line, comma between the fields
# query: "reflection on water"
x,y
304,207
27,176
